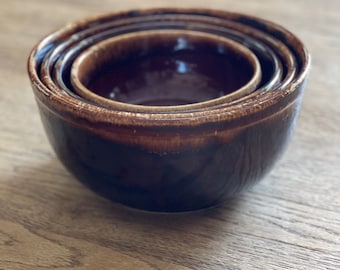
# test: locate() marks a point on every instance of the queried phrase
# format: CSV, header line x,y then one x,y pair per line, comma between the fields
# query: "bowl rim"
x,y
67,106
232,46
53,78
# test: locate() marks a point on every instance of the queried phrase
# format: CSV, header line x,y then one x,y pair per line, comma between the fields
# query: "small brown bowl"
x,y
170,160
165,70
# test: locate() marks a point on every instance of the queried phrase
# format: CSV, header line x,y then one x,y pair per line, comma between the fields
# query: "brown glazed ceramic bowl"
x,y
165,70
170,160
55,69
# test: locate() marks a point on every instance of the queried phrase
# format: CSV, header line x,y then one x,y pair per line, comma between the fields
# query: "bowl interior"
x,y
165,68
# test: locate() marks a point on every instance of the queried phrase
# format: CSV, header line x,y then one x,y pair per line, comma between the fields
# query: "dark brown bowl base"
x,y
184,180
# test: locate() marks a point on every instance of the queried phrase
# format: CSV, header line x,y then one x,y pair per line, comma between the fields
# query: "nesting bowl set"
x,y
169,109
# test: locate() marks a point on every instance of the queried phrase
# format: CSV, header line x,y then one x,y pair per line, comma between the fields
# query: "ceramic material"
x,y
270,62
165,67
176,160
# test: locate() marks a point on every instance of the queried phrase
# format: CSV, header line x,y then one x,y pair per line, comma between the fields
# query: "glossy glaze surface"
x,y
276,66
183,179
173,160
163,68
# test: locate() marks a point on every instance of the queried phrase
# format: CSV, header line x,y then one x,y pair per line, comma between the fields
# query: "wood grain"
x,y
291,220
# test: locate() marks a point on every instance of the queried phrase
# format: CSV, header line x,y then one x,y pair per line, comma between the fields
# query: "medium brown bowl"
x,y
171,161
55,69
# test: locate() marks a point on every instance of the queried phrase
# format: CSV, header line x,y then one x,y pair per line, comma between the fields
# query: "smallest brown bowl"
x,y
165,70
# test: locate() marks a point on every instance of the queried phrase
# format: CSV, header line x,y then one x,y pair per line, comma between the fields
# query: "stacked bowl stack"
x,y
169,109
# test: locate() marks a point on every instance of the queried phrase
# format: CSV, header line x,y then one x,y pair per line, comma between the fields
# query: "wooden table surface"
x,y
291,220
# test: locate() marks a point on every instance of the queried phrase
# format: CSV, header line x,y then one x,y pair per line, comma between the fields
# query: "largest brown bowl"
x,y
172,161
